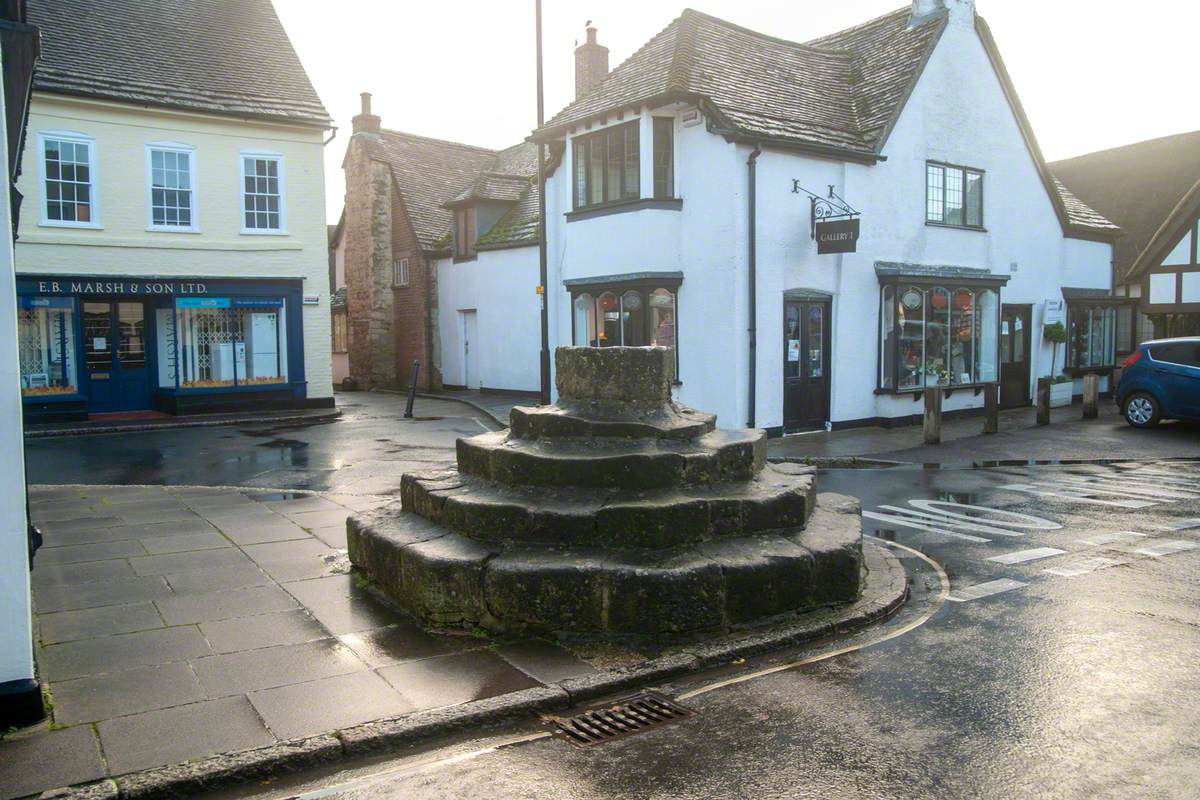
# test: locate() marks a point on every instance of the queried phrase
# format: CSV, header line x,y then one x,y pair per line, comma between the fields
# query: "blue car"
x,y
1161,380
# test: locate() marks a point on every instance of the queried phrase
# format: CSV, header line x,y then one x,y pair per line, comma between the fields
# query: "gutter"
x,y
752,177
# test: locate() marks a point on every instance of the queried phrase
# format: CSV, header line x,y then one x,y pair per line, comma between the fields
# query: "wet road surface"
x,y
365,451
1062,664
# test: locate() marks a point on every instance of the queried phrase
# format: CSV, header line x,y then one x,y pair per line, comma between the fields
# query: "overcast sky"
x,y
1091,73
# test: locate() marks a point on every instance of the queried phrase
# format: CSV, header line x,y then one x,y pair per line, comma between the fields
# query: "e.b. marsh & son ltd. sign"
x,y
128,287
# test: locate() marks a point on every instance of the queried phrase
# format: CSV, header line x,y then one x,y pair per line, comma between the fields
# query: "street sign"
x,y
837,236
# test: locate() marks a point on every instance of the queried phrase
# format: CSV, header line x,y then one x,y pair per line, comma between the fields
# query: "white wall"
x,y
124,246
16,625
957,113
500,286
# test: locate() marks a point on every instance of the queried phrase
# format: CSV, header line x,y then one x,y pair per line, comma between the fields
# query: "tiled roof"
x,y
428,172
213,56
1137,186
519,226
840,92
1080,213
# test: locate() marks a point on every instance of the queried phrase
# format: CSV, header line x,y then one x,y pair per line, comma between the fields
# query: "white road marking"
x,y
1010,519
1021,556
903,522
1167,548
988,589
1078,496
1101,539
1083,566
1184,525
1127,488
950,523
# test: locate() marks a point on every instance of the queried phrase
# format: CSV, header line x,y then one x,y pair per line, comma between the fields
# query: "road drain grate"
x,y
637,714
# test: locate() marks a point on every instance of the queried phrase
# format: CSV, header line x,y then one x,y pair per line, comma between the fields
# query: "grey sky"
x,y
1091,73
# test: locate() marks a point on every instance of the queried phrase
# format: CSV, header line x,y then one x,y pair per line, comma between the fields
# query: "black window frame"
x,y
645,286
583,145
1077,307
966,171
664,158
465,233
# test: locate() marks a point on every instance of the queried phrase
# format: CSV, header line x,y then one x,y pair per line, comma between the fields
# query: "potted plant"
x,y
1062,387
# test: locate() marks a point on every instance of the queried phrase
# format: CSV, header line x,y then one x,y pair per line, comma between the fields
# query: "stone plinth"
x,y
614,512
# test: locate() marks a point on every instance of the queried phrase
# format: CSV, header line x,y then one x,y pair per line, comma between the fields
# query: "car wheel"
x,y
1141,410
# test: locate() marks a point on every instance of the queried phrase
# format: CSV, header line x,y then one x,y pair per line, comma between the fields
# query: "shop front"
x,y
92,345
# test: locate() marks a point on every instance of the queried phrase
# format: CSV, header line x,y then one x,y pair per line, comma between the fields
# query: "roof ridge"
x,y
407,135
691,12
870,23
1119,147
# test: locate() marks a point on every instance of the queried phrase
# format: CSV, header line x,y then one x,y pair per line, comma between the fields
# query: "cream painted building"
x,y
172,245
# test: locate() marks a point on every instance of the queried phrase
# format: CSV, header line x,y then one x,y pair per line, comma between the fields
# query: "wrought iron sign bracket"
x,y
825,209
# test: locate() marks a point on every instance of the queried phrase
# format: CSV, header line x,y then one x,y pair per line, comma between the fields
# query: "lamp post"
x,y
543,294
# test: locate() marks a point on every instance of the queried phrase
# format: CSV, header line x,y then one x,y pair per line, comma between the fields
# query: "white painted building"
x,y
173,251
967,242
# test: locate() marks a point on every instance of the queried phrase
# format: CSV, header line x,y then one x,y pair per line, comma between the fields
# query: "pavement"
x,y
150,420
183,624
1068,437
496,405
1053,655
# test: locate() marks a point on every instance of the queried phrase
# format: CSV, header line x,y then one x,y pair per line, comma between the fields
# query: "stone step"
x,y
779,497
614,463
449,579
671,422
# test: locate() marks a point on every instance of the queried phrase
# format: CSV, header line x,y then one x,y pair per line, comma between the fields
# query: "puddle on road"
x,y
277,497
292,444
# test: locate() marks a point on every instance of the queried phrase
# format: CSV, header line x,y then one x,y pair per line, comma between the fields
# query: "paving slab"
x,y
182,733
454,679
404,641
306,709
294,560
83,521
77,574
116,694
63,597
185,562
224,604
41,759
251,670
332,535
65,626
259,529
544,661
263,630
321,519
211,579
182,543
76,659
351,614
99,551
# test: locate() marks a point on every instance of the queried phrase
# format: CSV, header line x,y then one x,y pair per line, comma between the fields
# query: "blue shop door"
x,y
134,391
114,350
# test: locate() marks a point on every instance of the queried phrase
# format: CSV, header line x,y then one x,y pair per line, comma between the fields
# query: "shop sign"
x,y
312,299
120,287
837,236
1054,312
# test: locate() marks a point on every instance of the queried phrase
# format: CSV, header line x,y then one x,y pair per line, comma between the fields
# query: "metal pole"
x,y
544,369
412,390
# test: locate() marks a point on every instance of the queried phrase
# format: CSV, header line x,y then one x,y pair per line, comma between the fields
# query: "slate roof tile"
x,y
213,56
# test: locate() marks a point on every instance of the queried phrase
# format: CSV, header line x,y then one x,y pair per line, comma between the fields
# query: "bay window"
x,y
46,346
607,166
1097,332
634,313
938,334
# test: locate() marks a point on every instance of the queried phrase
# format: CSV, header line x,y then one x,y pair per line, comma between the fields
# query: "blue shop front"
x,y
122,345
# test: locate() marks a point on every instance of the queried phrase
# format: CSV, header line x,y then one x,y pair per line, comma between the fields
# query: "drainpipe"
x,y
751,166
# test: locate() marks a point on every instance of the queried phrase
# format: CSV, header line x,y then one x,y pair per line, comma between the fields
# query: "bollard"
x,y
991,408
1091,396
933,416
1043,401
412,390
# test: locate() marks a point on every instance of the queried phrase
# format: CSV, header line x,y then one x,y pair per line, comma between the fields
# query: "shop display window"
x,y
46,346
937,335
1097,332
225,342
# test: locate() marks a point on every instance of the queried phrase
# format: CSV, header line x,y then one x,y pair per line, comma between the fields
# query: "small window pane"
x,y
662,318
974,209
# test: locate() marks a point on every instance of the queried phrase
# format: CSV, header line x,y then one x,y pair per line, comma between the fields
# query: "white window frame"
x,y
277,157
190,152
74,137
400,272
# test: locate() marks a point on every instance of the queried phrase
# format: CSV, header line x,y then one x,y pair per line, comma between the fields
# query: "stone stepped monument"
x,y
614,513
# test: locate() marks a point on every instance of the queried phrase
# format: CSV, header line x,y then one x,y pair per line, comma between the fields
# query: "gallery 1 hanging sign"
x,y
834,224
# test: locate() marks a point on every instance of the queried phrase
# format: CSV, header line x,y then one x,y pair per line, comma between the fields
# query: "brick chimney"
x,y
591,64
365,121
